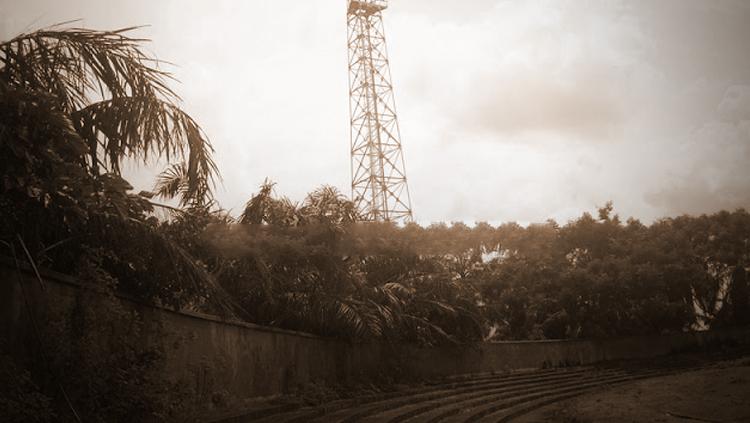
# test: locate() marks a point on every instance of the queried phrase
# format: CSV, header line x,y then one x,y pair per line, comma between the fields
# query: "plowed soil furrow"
x,y
441,391
481,398
453,400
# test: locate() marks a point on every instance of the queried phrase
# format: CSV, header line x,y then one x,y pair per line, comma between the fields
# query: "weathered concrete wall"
x,y
505,356
208,353
247,360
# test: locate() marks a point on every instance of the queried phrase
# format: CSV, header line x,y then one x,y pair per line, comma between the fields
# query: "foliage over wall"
x,y
75,103
592,277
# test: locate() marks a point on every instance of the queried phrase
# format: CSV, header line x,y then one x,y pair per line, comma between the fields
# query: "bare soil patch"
x,y
720,393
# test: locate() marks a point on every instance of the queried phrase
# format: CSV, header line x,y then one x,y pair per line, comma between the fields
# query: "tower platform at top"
x,y
367,7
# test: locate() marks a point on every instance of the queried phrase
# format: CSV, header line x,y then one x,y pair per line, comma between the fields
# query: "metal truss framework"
x,y
379,187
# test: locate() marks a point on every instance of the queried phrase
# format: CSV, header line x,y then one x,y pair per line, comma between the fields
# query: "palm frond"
x,y
350,317
74,64
158,269
175,181
117,97
263,208
329,204
426,331
255,208
172,181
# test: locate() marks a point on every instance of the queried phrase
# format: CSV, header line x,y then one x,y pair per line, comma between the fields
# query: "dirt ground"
x,y
717,394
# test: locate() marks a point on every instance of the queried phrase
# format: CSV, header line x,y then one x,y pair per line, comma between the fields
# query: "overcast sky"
x,y
509,110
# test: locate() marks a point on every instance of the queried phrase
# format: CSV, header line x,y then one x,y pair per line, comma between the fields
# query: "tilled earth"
x,y
719,394
536,395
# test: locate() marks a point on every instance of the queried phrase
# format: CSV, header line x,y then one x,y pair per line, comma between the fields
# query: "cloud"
x,y
448,10
524,67
698,38
619,89
537,103
735,106
714,171
509,110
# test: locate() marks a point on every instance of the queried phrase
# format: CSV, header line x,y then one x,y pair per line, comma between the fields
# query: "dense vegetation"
x,y
74,104
313,268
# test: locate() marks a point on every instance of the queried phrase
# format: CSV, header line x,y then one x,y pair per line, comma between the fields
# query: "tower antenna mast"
x,y
379,188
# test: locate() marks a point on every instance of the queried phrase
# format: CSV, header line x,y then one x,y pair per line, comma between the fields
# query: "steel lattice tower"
x,y
379,186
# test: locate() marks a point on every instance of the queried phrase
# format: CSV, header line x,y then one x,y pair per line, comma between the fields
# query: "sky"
x,y
509,110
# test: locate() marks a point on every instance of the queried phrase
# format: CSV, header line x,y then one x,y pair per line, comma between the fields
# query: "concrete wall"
x,y
247,360
209,353
506,356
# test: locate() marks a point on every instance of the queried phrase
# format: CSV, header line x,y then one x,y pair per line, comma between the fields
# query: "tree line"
x,y
314,267
75,103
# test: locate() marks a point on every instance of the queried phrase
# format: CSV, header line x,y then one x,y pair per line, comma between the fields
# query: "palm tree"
x,y
264,208
100,87
74,104
328,204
